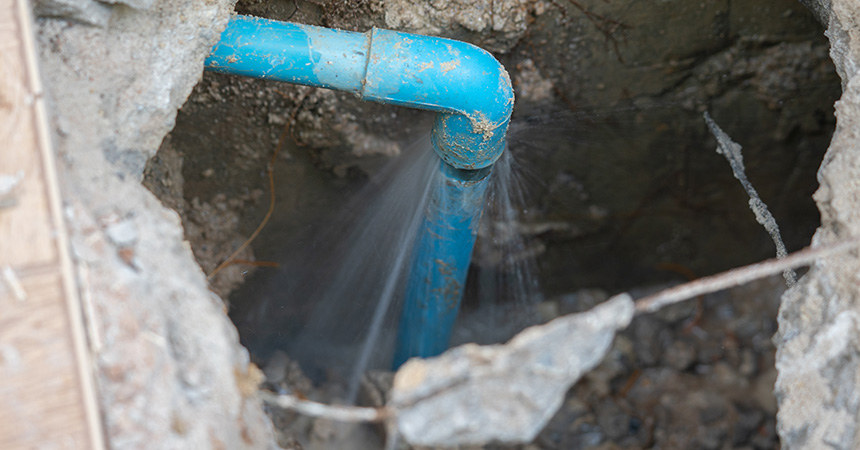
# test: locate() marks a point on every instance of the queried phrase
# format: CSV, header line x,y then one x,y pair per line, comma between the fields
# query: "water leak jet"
x,y
468,88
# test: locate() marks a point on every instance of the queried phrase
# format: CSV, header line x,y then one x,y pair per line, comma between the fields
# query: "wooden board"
x,y
47,399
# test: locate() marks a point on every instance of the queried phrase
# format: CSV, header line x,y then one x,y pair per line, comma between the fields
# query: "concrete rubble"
x,y
504,393
819,323
170,371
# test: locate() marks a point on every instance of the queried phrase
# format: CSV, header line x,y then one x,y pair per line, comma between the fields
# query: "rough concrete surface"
x,y
90,12
819,324
170,371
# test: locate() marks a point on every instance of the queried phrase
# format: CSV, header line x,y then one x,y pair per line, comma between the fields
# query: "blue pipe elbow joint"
x,y
465,85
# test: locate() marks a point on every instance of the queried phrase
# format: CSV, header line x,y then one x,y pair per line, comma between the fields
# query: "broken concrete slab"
x,y
170,370
507,393
819,329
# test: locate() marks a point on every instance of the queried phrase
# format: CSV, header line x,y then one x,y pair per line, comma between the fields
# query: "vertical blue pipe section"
x,y
440,262
473,96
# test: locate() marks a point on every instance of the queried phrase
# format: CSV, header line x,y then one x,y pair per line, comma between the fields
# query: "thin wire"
x,y
741,275
340,413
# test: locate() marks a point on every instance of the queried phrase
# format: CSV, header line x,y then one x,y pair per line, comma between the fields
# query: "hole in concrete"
x,y
621,189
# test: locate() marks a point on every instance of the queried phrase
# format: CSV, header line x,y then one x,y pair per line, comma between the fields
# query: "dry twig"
x,y
287,131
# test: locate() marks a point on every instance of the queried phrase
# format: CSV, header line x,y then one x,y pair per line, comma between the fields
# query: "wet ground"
x,y
696,375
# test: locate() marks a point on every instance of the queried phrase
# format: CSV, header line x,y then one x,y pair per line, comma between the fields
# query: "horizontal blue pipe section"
x,y
297,54
440,263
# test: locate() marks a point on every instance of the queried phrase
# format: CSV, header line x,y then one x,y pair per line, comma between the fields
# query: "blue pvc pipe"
x,y
440,262
465,84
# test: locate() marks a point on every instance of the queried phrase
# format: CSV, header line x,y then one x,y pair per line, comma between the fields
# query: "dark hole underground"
x,y
614,183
